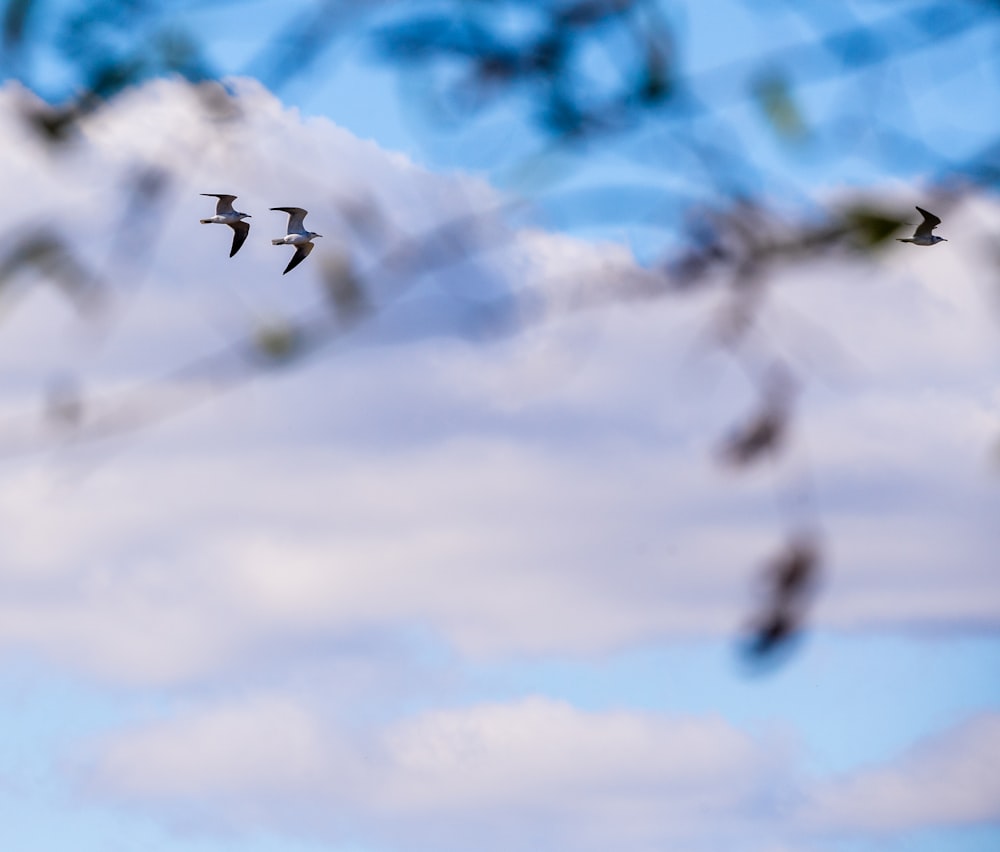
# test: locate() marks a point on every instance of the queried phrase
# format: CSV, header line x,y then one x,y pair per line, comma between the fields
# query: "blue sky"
x,y
447,587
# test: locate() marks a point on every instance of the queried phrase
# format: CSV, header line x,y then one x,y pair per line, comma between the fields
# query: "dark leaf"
x,y
15,22
344,289
872,227
656,83
790,581
762,434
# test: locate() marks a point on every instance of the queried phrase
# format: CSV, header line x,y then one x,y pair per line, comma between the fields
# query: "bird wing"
x,y
301,253
225,203
930,222
296,215
240,231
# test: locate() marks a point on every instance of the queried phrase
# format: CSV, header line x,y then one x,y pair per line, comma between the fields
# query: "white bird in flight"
x,y
297,236
923,235
225,215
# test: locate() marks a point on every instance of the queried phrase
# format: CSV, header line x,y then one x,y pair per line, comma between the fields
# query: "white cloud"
x,y
261,745
548,492
502,547
519,774
512,495
948,780
529,772
522,754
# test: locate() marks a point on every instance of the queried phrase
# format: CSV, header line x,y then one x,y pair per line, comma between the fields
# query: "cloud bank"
x,y
480,462
548,491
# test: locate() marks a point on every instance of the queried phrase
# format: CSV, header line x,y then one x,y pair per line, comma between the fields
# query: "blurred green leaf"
x,y
871,227
343,289
773,94
181,53
278,340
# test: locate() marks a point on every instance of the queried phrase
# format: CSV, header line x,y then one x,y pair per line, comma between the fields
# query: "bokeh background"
x,y
609,476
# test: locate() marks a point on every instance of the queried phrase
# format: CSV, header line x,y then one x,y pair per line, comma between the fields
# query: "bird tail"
x,y
901,240
204,222
277,242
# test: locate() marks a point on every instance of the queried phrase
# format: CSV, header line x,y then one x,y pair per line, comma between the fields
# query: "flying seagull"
x,y
297,236
225,215
923,236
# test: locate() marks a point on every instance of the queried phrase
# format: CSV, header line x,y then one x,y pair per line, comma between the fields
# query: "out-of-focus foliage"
x,y
40,255
790,581
777,101
474,53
